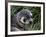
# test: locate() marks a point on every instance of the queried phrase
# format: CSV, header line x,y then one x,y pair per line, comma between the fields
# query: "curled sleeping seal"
x,y
21,21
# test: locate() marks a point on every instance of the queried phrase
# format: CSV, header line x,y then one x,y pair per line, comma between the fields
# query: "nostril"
x,y
30,22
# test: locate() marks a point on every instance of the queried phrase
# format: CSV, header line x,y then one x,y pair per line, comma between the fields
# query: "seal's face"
x,y
24,17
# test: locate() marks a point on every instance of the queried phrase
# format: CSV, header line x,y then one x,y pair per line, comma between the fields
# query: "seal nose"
x,y
30,22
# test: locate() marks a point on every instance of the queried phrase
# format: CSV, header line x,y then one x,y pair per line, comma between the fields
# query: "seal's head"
x,y
24,17
22,20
